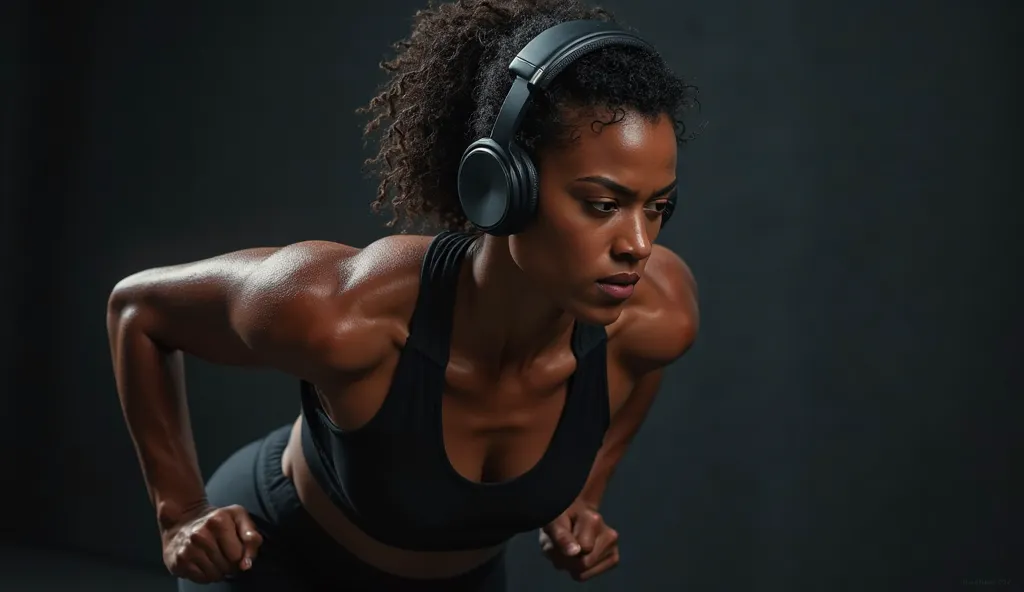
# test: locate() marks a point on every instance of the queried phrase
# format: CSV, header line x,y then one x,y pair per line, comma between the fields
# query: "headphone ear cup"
x,y
524,204
486,185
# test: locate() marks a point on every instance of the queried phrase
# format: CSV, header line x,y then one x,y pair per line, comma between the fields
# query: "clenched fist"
x,y
215,543
580,542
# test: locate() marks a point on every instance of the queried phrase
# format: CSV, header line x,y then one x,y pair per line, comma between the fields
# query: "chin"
x,y
597,314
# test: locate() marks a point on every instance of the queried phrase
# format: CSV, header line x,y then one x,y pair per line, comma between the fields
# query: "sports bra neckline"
x,y
549,450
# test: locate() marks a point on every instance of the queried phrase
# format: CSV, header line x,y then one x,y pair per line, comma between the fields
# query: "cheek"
x,y
552,251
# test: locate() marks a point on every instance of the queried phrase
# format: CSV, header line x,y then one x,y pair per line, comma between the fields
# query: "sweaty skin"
x,y
338,317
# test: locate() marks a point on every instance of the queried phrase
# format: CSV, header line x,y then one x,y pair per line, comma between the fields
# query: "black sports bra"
x,y
392,477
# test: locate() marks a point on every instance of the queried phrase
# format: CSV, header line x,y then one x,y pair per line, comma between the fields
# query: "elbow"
x,y
129,292
120,308
124,303
119,299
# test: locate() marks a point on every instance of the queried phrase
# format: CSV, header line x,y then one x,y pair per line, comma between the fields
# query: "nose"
x,y
632,240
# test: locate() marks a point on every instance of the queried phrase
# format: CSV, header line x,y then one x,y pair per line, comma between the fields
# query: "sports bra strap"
x,y
430,328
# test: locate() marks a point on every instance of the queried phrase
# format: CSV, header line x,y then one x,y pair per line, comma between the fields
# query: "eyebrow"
x,y
623,190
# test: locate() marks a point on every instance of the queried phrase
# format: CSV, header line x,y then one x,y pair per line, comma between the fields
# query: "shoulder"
x,y
336,301
329,273
662,320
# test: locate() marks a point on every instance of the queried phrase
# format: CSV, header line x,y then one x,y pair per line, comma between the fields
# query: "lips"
x,y
619,286
621,279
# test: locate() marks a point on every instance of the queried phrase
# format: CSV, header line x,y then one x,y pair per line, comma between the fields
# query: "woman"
x,y
457,389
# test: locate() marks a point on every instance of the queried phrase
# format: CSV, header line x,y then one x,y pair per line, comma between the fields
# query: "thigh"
x,y
252,478
235,481
247,479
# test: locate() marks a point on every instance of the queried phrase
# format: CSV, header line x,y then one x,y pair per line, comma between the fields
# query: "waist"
x,y
400,562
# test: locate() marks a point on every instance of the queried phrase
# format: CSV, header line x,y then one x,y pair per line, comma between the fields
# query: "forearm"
x,y
151,388
624,426
615,445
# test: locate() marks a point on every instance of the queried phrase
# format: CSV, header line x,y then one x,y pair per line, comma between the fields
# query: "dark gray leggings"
x,y
297,555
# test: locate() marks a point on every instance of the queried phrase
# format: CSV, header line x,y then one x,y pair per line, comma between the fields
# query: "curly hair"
x,y
448,81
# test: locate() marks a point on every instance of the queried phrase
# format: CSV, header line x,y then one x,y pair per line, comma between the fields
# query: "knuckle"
x,y
236,510
613,535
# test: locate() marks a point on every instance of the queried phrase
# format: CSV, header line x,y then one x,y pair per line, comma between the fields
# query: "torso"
x,y
492,438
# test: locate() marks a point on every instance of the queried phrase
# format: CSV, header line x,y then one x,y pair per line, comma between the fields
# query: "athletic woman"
x,y
457,389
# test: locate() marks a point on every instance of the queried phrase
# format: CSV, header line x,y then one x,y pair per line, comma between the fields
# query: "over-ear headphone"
x,y
497,180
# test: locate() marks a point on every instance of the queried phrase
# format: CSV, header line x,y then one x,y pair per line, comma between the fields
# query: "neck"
x,y
513,322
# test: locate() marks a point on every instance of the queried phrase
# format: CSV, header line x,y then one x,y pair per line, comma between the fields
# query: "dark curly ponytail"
x,y
450,77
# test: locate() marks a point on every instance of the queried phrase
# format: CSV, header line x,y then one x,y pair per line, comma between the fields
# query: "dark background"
x,y
849,419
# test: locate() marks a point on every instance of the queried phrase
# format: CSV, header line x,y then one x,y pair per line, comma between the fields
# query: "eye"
x,y
657,207
605,207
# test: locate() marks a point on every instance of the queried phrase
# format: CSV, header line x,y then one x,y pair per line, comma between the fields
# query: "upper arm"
x,y
658,329
285,308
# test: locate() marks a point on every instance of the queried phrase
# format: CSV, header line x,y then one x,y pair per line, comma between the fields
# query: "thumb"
x,y
561,535
250,537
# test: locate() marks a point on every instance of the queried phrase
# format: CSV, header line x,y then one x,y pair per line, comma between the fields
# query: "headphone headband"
x,y
544,58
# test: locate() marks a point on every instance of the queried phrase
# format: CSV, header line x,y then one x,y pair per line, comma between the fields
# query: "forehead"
x,y
634,147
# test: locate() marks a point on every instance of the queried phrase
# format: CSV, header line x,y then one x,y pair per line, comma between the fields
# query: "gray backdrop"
x,y
844,421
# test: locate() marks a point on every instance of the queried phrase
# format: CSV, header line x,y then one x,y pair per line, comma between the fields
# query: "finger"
x,y
204,544
248,534
546,544
229,544
191,573
606,564
563,539
585,529
604,544
197,561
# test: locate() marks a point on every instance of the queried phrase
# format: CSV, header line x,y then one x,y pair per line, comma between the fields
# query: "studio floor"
x,y
39,570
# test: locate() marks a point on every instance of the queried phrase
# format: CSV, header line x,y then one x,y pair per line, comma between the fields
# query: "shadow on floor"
x,y
36,570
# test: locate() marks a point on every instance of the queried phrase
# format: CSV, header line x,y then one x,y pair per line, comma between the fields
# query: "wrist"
x,y
589,500
170,513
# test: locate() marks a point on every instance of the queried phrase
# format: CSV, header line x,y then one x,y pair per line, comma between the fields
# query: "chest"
x,y
494,427
499,427
476,455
